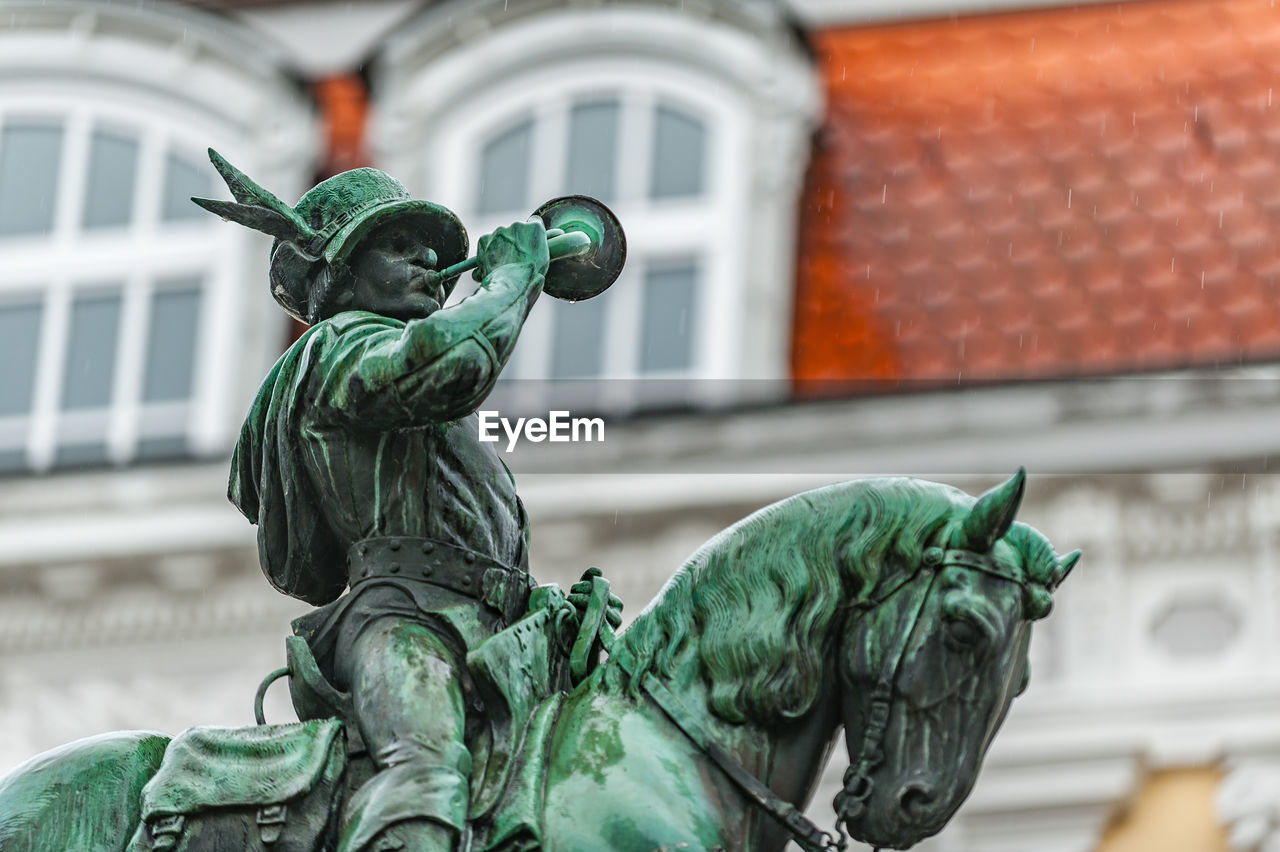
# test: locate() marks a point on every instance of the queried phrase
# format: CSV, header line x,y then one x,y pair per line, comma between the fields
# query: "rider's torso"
x,y
435,482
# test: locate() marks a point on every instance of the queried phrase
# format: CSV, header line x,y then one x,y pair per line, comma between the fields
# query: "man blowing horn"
x,y
360,463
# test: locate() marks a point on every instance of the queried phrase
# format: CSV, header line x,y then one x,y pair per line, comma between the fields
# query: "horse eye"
x,y
962,633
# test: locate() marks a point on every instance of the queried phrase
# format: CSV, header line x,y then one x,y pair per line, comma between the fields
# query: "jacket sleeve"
x,y
384,374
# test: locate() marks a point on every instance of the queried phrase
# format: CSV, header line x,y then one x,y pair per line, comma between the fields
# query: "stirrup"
x,y
313,696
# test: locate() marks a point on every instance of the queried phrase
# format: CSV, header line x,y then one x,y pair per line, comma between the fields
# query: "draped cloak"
x,y
297,550
316,477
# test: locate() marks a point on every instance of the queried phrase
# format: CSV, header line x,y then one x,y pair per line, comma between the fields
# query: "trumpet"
x,y
585,241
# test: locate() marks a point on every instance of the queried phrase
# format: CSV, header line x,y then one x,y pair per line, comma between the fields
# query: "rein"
x,y
858,781
806,834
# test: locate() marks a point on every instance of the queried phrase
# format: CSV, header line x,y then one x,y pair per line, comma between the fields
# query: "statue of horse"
x,y
896,608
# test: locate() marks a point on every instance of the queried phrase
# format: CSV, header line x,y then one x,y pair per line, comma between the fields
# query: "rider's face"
x,y
391,275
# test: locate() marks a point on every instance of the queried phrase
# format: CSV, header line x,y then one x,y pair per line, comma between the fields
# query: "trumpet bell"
x,y
590,273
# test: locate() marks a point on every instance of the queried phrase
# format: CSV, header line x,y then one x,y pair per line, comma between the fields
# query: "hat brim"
x,y
438,227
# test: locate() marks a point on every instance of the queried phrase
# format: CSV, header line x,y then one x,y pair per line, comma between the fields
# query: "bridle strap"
x,y
805,833
858,784
979,562
871,753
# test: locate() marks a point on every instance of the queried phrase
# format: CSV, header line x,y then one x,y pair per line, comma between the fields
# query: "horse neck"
x,y
788,756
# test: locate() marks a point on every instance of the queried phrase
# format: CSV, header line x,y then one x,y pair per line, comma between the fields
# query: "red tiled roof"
x,y
1054,193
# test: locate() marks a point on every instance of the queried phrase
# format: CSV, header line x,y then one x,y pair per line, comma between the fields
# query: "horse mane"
x,y
758,597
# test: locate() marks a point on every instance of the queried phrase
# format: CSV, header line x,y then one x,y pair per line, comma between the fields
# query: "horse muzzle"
x,y
889,816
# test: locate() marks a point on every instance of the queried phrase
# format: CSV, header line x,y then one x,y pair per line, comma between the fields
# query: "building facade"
x,y
941,241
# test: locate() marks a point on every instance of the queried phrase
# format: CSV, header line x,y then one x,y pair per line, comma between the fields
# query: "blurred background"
x,y
932,237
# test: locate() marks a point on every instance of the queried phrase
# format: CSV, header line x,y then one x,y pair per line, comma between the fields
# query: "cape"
x,y
269,485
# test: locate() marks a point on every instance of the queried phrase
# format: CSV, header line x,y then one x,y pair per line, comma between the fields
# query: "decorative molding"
x,y
1248,802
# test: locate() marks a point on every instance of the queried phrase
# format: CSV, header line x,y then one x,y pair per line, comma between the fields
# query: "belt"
x,y
425,560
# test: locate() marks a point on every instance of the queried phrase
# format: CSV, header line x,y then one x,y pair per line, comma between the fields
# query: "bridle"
x,y
851,802
803,831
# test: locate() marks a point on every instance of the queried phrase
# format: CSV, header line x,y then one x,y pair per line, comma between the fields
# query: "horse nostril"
x,y
915,798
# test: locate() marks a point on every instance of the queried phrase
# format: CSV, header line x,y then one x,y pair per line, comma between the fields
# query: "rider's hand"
x,y
520,243
580,596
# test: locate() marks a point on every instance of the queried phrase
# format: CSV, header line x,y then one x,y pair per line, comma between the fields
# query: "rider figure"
x,y
361,464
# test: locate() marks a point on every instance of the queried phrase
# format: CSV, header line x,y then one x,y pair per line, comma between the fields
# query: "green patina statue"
x,y
361,464
449,703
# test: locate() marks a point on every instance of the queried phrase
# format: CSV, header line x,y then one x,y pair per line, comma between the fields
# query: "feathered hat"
x,y
328,224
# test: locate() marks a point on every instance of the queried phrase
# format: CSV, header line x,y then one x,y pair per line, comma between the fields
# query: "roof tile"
x,y
1048,193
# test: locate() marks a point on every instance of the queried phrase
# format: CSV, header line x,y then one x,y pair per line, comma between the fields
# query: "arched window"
x,y
104,285
653,113
657,158
121,302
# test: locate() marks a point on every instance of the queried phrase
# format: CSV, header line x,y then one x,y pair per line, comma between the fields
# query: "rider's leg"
x,y
409,706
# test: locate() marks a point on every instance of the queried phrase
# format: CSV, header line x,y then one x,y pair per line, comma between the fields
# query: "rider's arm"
x,y
434,369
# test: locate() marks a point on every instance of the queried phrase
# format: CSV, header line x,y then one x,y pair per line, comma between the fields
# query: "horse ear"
x,y
1065,564
991,517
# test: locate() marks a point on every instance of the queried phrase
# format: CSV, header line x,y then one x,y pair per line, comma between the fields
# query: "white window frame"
x,y
699,227
71,259
184,79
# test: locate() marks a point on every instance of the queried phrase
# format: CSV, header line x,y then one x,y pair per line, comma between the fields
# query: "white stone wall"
x,y
162,641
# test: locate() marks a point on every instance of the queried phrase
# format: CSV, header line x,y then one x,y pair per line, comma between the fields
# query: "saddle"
x,y
278,788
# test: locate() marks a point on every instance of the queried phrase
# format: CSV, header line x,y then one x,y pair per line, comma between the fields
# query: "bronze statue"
x,y
360,463
448,702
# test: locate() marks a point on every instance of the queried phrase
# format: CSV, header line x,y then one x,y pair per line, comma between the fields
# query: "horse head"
x,y
898,608
933,652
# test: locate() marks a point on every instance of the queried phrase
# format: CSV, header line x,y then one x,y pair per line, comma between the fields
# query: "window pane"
x,y
19,337
92,454
504,171
578,339
184,178
91,353
670,300
113,162
171,343
12,461
678,154
29,158
593,145
158,449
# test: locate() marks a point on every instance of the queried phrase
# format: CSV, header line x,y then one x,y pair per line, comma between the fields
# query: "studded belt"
x,y
437,563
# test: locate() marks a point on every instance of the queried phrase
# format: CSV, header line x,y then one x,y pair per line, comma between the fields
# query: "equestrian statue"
x,y
447,701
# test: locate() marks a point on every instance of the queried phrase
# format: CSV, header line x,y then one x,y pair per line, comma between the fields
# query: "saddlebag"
x,y
270,788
